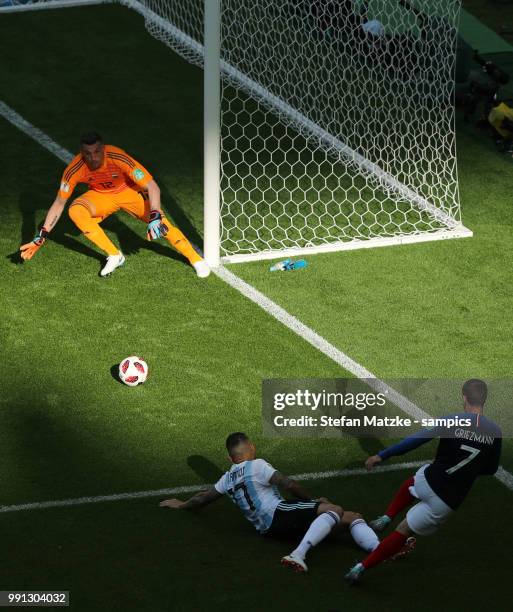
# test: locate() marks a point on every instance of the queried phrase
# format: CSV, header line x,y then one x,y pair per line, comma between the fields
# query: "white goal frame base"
x,y
459,232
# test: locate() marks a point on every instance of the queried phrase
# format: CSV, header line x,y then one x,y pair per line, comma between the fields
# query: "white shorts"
x,y
425,517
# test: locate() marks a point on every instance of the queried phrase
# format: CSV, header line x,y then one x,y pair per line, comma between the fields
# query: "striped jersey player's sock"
x,y
402,499
388,547
363,535
317,531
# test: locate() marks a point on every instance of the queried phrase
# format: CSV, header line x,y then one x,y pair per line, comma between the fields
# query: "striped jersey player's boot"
x,y
113,262
295,563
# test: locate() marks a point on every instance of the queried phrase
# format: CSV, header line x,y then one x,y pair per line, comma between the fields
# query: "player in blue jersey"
x,y
253,484
466,450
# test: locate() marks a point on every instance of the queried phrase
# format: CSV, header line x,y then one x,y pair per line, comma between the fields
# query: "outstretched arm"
x,y
54,213
52,216
404,446
291,486
154,195
202,498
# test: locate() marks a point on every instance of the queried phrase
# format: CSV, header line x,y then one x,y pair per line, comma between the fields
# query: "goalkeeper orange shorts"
x,y
101,205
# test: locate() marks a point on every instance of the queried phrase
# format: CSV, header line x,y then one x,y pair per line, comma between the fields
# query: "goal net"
x,y
337,120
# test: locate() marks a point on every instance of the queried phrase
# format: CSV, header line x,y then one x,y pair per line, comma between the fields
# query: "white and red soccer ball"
x,y
133,371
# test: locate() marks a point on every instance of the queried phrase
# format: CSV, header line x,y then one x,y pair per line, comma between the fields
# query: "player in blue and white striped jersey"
x,y
253,486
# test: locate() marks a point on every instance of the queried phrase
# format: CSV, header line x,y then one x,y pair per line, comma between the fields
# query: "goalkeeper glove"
x,y
156,229
31,248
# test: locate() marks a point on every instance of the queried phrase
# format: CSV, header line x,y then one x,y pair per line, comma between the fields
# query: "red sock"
x,y
389,546
402,499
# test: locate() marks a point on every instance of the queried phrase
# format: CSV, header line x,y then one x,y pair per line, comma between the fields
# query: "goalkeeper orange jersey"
x,y
117,172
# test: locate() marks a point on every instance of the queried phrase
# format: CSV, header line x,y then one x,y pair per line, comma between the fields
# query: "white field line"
x,y
505,477
320,343
36,134
80,501
276,311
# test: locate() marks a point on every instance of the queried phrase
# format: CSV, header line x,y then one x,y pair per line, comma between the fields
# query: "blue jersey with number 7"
x,y
464,453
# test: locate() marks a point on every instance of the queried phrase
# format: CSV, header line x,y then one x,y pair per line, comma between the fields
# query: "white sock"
x,y
363,535
317,531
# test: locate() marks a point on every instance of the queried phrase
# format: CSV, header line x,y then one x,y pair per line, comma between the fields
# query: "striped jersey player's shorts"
x,y
293,518
425,517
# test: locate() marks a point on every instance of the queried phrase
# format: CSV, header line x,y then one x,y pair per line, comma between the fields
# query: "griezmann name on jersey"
x,y
463,454
470,452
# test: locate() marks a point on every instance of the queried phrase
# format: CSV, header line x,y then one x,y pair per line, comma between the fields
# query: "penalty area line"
x,y
261,300
82,501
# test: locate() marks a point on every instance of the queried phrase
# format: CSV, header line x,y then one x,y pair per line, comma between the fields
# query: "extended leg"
x,y
177,239
90,226
138,205
329,516
360,531
402,499
389,547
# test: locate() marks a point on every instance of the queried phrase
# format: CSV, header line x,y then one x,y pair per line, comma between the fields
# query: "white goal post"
x,y
329,125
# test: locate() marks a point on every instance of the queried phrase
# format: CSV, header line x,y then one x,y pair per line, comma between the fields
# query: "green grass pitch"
x,y
69,429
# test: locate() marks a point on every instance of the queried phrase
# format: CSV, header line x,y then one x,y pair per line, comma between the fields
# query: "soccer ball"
x,y
133,371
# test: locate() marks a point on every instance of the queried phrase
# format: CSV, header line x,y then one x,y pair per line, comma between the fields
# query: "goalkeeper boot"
x,y
381,523
354,574
202,268
295,563
113,262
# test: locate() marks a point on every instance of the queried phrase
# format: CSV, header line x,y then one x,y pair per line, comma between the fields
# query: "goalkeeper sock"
x,y
102,241
180,243
91,229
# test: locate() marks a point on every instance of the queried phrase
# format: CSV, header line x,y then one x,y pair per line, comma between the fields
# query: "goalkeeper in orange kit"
x,y
116,181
